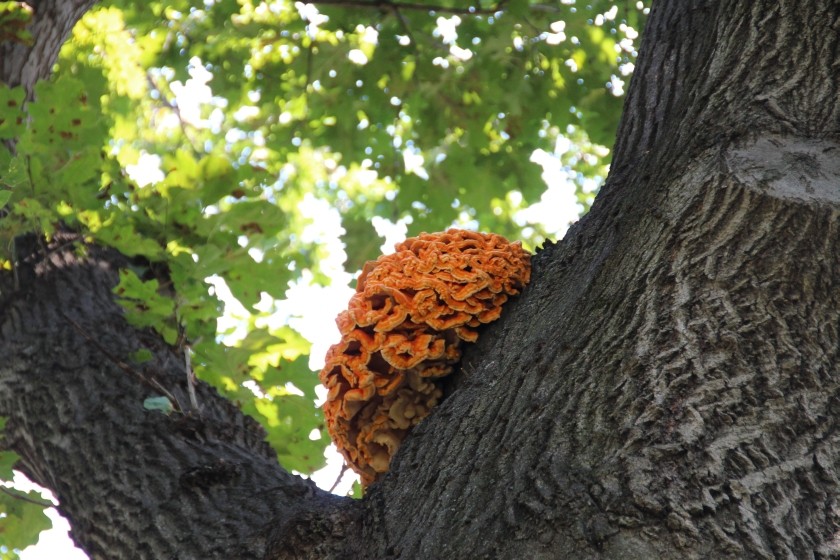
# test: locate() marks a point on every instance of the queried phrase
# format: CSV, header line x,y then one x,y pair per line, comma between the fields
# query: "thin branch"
x,y
389,5
20,496
344,469
405,26
172,105
190,376
151,382
310,51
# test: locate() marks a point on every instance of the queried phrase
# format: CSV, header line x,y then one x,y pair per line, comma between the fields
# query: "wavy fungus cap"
x,y
402,333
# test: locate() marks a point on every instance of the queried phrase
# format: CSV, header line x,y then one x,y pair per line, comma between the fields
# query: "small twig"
x,y
344,469
38,228
154,383
15,266
25,498
184,345
310,50
190,377
29,175
173,106
405,26
389,5
544,8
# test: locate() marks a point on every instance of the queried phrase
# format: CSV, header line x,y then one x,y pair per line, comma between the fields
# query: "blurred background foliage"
x,y
229,143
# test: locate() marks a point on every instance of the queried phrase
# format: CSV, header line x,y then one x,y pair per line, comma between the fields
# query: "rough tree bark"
x,y
51,24
667,386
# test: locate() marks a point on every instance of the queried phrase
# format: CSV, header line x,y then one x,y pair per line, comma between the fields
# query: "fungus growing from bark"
x,y
402,333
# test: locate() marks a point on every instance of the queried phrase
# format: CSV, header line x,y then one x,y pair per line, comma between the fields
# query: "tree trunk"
x,y
666,387
52,21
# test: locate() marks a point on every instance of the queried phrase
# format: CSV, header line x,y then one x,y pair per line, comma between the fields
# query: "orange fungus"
x,y
402,332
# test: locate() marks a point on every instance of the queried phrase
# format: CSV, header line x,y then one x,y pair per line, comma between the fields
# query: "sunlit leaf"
x,y
22,517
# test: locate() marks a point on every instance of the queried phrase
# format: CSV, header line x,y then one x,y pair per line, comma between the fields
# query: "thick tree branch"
x,y
204,481
710,73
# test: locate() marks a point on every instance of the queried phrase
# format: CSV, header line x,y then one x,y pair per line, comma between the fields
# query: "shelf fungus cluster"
x,y
402,332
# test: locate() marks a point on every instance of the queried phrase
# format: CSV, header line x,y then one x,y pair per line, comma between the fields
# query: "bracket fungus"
x,y
402,332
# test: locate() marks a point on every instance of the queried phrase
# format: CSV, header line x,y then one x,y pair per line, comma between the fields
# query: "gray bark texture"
x,y
52,22
667,387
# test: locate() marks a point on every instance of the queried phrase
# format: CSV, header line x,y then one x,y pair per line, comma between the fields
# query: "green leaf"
x,y
289,420
141,356
248,279
123,237
361,240
163,404
62,118
295,372
12,117
252,218
8,459
144,306
219,178
14,19
22,517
